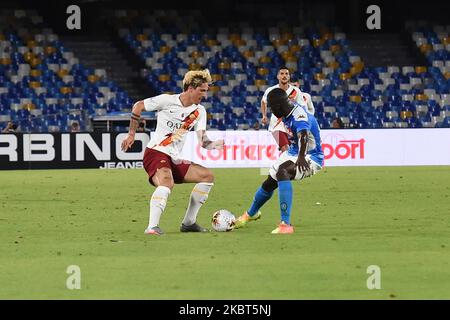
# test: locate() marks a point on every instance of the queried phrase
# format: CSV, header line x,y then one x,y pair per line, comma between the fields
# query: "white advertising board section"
x,y
368,147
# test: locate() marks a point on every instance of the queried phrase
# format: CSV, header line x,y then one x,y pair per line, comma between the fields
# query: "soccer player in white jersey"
x,y
177,115
303,159
276,126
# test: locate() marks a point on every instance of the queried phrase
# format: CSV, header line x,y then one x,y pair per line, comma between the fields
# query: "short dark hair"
x,y
283,68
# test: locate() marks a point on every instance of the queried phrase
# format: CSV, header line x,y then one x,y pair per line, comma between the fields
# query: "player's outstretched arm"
x,y
264,119
310,104
206,143
302,164
138,107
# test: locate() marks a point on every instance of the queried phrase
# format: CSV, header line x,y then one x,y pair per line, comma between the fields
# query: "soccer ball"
x,y
223,220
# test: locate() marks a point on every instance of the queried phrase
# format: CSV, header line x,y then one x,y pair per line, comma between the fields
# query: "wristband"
x,y
136,117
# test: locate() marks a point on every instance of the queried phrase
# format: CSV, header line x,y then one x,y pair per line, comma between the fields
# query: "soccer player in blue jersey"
x,y
303,159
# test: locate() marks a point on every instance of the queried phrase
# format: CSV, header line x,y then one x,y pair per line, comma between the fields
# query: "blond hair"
x,y
196,78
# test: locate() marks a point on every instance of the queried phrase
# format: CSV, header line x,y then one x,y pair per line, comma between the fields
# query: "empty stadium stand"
x,y
48,81
43,85
391,91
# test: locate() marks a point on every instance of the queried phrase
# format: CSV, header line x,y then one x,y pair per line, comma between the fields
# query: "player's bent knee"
x,y
270,184
207,176
283,175
163,177
286,171
167,183
164,182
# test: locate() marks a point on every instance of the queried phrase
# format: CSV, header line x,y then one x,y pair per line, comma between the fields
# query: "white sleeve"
x,y
309,103
264,97
201,123
299,97
155,103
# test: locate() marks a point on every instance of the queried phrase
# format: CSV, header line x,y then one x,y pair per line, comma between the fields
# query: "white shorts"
x,y
313,166
276,125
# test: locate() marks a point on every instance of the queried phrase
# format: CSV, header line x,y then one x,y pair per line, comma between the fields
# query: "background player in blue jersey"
x,y
303,159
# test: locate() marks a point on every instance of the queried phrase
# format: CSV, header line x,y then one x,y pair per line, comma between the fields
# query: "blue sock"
x,y
261,197
285,197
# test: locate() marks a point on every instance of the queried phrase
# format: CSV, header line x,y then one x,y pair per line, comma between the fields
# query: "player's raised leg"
x,y
163,181
286,172
262,195
204,180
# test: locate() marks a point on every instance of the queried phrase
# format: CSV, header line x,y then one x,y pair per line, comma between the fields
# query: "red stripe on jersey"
x,y
278,122
186,124
293,94
166,141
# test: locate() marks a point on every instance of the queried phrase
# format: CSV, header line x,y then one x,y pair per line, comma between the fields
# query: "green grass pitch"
x,y
345,219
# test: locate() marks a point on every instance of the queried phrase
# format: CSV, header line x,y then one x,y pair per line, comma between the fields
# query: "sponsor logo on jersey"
x,y
186,125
